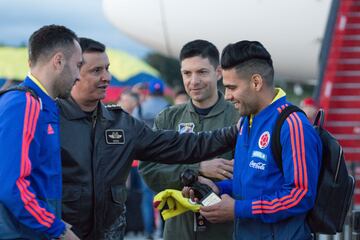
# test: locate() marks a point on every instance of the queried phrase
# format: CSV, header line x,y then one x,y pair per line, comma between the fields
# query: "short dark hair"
x,y
89,45
248,57
200,48
49,38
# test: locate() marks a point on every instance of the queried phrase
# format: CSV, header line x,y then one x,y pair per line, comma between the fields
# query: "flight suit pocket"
x,y
114,216
118,194
71,204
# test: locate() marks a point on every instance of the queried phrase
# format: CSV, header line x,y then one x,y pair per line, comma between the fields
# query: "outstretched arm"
x,y
172,147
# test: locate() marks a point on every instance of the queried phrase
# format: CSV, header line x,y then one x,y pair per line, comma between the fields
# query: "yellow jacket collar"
x,y
38,83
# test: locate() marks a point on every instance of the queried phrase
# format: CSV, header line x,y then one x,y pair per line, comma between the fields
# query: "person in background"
x,y
10,83
141,89
30,166
128,101
309,106
207,110
181,97
154,103
147,112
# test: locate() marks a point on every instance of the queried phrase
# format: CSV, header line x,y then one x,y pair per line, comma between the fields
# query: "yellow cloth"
x,y
175,202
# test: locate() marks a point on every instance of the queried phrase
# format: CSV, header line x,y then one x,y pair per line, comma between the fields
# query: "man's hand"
x,y
70,235
218,168
220,212
189,193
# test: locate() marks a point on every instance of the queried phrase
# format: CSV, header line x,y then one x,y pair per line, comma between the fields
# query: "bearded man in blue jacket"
x,y
30,166
264,201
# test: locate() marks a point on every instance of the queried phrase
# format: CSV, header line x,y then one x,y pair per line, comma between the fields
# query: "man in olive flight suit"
x,y
207,110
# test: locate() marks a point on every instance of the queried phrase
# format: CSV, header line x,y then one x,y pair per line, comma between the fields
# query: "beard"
x,y
65,93
248,108
63,85
62,88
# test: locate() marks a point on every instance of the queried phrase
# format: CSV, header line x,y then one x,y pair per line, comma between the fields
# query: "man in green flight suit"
x,y
206,110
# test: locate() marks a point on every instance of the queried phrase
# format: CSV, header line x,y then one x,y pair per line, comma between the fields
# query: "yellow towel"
x,y
175,202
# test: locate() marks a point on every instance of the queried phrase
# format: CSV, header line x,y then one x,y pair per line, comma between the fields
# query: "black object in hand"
x,y
203,192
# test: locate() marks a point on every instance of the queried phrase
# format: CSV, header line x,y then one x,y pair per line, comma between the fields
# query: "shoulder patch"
x,y
186,127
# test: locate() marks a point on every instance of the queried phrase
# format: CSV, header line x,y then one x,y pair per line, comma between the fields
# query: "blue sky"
x,y
19,18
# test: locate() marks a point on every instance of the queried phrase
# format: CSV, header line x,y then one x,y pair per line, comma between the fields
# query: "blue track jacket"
x,y
30,166
262,192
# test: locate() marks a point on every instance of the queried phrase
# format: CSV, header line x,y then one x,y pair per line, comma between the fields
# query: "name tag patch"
x,y
115,136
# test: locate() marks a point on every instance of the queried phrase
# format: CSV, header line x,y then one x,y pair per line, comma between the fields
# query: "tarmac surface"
x,y
132,236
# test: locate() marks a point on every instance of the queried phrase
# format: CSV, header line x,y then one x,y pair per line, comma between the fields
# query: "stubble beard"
x,y
63,89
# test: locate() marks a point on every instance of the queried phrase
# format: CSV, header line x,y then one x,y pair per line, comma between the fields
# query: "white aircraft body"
x,y
292,30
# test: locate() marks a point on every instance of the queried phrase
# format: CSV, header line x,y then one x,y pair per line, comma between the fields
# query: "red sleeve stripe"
x,y
279,207
276,200
37,217
267,211
303,152
32,110
29,198
25,169
27,195
300,173
282,107
33,127
34,115
23,146
297,151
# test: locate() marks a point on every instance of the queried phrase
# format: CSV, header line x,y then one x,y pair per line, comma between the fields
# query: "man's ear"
x,y
218,72
257,82
58,61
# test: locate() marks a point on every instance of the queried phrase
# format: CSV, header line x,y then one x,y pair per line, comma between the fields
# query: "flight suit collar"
x,y
217,109
72,110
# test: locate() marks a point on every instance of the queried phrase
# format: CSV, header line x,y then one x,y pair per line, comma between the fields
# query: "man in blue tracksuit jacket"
x,y
30,166
265,202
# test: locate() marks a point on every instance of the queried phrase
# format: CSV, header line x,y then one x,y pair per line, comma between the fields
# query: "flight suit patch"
x,y
115,136
186,127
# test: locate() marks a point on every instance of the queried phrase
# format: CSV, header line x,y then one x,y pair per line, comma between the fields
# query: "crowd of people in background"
x,y
145,101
